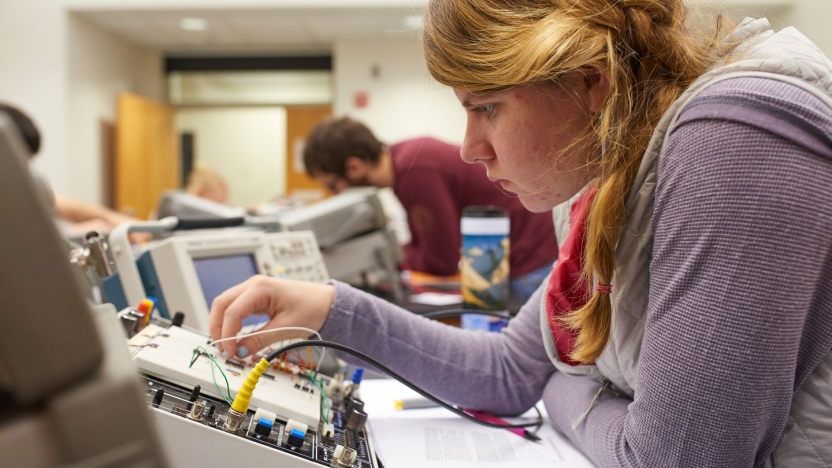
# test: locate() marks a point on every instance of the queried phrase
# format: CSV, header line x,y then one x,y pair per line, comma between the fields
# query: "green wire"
x,y
320,388
213,376
227,399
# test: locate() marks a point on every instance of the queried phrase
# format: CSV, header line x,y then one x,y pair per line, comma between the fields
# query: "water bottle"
x,y
484,265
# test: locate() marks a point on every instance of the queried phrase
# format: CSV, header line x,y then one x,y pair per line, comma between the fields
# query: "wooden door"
x,y
107,134
147,154
299,122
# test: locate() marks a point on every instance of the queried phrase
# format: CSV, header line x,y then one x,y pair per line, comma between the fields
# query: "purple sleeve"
x,y
740,287
503,373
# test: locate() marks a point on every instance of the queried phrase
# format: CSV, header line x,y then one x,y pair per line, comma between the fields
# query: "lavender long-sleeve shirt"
x,y
740,309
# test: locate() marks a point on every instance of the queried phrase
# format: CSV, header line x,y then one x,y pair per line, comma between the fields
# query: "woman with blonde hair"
x,y
688,319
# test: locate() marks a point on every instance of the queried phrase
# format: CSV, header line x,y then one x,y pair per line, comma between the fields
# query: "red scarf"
x,y
567,291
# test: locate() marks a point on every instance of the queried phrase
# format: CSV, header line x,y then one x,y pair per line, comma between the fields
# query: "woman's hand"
x,y
287,303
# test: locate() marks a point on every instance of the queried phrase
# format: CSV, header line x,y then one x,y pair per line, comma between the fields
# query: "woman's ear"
x,y
598,87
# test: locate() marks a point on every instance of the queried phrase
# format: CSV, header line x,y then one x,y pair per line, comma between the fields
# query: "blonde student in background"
x,y
207,183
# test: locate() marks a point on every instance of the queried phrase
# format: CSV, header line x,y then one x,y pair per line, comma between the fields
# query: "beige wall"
x,y
100,65
404,101
33,65
246,145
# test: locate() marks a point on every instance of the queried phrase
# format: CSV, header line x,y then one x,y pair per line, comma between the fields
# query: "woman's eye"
x,y
484,109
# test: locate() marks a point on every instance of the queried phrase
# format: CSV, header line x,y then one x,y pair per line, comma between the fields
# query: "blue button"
x,y
297,433
265,422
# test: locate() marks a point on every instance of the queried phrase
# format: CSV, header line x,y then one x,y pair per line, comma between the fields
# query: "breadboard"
x,y
166,353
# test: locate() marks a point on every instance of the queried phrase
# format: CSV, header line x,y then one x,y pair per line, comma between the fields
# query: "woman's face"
x,y
518,134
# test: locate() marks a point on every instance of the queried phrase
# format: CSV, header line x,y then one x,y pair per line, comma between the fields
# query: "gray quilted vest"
x,y
786,56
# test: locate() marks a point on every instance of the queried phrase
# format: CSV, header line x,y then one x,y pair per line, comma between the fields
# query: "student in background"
x,y
80,217
207,183
434,185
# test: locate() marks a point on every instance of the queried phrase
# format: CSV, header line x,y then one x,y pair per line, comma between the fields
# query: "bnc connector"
x,y
197,411
233,420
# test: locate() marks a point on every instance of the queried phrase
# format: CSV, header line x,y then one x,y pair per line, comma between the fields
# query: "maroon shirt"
x,y
434,184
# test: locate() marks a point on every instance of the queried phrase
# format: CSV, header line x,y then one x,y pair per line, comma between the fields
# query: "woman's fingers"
x,y
310,304
218,307
251,344
254,299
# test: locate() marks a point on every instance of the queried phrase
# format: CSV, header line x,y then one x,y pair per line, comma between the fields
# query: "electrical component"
x,y
354,404
213,422
197,410
178,319
263,413
356,420
193,397
343,457
132,321
166,353
157,397
264,427
233,420
295,438
187,272
327,433
335,389
357,377
187,439
347,387
292,426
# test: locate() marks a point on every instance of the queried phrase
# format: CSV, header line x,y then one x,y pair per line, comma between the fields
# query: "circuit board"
x,y
185,377
168,353
315,448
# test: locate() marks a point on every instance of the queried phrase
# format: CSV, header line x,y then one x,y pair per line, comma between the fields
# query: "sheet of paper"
x,y
457,443
437,299
438,438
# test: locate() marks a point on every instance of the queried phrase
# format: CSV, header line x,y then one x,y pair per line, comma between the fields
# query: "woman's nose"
x,y
475,148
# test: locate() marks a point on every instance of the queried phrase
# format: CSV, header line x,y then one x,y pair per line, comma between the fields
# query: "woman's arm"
x,y
75,211
740,269
503,373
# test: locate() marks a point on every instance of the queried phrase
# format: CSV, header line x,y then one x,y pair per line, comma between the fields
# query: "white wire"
x,y
271,330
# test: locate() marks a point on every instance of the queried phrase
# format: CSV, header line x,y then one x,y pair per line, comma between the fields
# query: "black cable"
x,y
439,314
386,370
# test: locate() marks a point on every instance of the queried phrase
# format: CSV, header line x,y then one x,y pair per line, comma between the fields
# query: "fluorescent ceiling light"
x,y
193,24
413,21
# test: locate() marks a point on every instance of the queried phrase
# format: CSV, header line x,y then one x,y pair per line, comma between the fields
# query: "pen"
x,y
526,434
414,403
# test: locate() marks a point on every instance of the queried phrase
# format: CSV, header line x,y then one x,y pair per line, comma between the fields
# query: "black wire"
x,y
386,370
457,312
